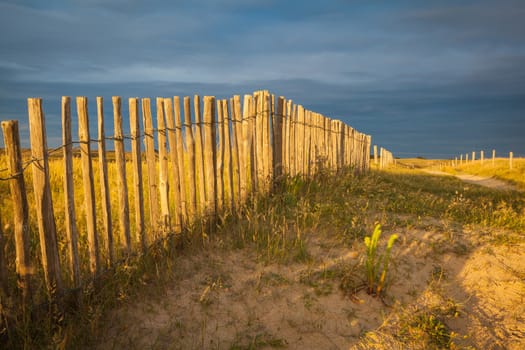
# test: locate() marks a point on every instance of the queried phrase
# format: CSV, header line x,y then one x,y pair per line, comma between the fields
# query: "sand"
x,y
225,299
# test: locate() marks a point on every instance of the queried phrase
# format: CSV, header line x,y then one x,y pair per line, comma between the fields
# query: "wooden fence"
x,y
196,163
384,158
481,159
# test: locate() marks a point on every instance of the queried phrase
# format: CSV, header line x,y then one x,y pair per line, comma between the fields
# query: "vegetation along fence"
x,y
196,164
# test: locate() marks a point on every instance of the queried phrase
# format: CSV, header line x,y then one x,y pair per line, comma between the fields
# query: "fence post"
x,y
258,139
247,178
227,163
271,114
327,143
278,139
149,144
89,189
493,157
482,157
104,183
137,171
190,148
69,193
180,159
307,143
122,185
335,146
367,148
341,136
286,137
219,163
235,106
266,145
210,154
175,178
163,166
20,208
300,139
254,156
511,155
199,156
44,204
292,142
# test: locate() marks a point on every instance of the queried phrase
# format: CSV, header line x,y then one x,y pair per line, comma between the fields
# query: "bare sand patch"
x,y
226,299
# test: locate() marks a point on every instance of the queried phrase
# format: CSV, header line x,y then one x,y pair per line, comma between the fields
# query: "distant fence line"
x,y
209,162
465,159
385,157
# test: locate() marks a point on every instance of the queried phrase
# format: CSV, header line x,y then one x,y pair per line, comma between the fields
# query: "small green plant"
x,y
377,265
438,332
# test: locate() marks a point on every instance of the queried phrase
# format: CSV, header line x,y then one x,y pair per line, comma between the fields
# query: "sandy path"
x,y
478,180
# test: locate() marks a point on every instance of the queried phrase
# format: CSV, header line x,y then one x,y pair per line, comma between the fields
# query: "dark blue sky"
x,y
429,78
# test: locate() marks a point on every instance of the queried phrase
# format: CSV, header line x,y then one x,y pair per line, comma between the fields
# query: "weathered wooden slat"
x,y
69,194
307,143
163,167
137,171
266,144
342,154
328,142
210,154
220,157
190,148
367,151
180,159
253,144
44,203
199,156
259,137
228,169
149,145
89,187
175,179
293,142
237,160
122,185
104,185
289,137
247,178
20,209
278,139
300,139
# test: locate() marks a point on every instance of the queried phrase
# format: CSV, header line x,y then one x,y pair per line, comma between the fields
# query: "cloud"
x,y
485,24
380,66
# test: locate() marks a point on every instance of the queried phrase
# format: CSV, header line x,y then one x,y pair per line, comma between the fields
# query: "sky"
x,y
424,78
